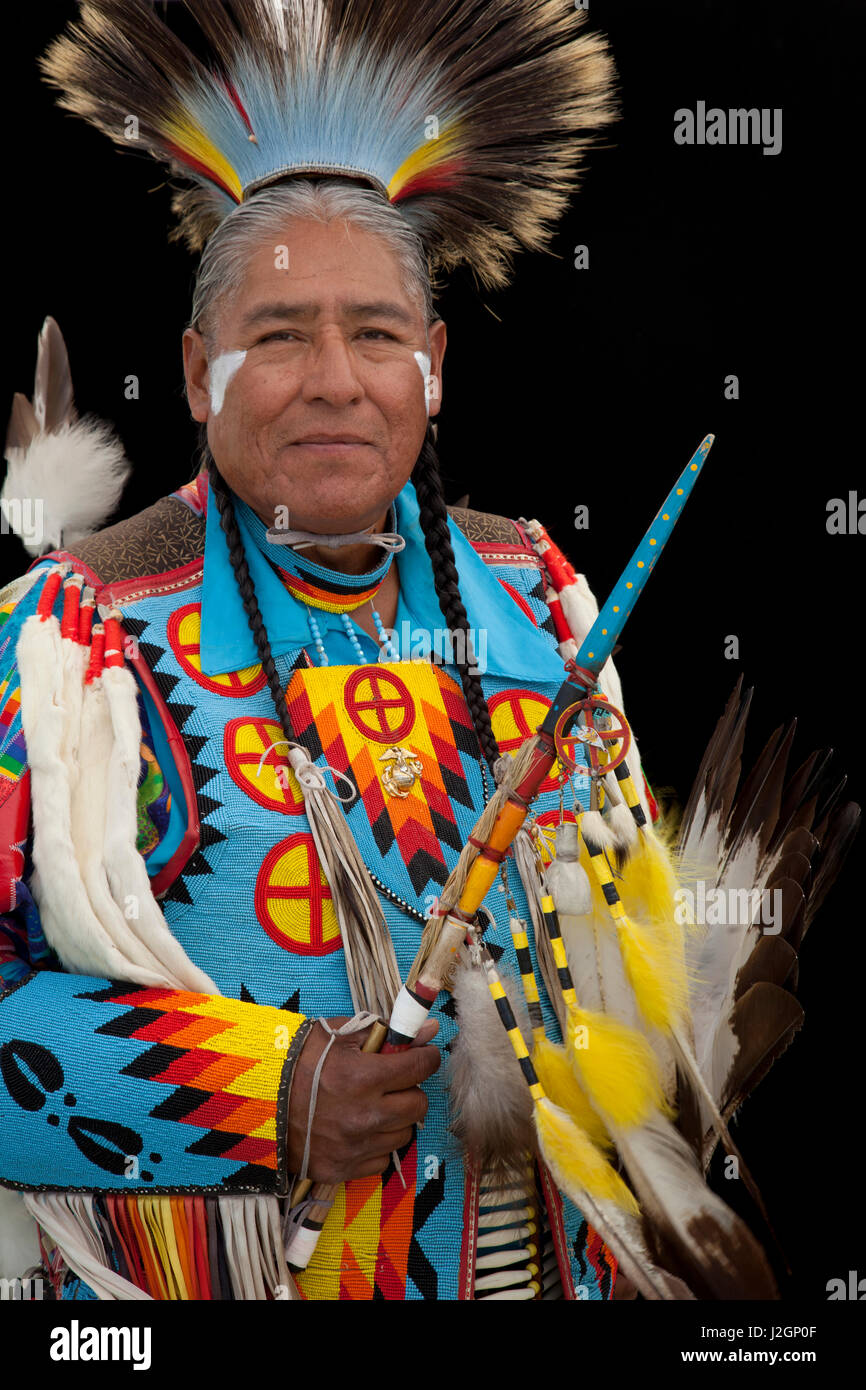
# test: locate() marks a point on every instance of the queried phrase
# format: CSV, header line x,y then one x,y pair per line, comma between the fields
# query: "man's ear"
x,y
195,369
438,335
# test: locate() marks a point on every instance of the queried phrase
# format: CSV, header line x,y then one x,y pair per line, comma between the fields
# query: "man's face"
x,y
324,409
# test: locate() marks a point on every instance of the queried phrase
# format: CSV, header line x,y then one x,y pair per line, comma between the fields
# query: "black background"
x,y
594,387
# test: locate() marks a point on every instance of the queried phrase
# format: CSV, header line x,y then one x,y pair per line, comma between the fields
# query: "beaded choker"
x,y
324,592
315,585
331,590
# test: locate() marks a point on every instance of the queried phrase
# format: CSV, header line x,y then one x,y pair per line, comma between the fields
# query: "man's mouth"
x,y
332,441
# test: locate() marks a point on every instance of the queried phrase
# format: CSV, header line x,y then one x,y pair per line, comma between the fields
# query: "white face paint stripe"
x,y
221,372
423,360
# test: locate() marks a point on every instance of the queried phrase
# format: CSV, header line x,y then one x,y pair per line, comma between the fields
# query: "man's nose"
x,y
331,373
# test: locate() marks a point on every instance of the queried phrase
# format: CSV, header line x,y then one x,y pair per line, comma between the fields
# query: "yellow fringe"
x,y
575,1162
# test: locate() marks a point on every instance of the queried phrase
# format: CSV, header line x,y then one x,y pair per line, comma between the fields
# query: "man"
x,y
325,416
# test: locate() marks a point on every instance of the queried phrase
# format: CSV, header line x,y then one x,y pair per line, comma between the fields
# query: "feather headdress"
x,y
473,117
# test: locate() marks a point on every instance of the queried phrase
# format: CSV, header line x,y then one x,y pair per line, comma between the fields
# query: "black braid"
x,y
437,538
229,524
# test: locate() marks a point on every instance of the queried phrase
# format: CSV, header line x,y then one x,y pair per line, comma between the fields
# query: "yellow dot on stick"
x,y
629,585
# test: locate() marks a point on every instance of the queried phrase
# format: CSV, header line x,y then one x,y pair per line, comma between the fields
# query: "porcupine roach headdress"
x,y
471,116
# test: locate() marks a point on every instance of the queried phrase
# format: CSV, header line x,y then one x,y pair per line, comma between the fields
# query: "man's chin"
x,y
337,497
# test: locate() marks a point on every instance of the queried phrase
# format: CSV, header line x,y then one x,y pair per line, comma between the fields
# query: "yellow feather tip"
x,y
616,1066
652,942
562,1087
649,886
575,1162
655,972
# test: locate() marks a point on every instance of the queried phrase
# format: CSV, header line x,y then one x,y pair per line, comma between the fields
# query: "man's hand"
x,y
366,1107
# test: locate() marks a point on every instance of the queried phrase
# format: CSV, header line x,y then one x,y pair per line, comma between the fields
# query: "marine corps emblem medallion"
x,y
400,770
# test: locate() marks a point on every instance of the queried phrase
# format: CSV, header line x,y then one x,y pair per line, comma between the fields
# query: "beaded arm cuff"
x,y
112,1087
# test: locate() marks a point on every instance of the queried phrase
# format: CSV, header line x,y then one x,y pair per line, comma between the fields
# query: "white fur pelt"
x,y
490,1101
70,924
70,745
83,751
78,472
124,870
91,812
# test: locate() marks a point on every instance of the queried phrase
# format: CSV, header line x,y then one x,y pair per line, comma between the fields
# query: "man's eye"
x,y
281,333
377,333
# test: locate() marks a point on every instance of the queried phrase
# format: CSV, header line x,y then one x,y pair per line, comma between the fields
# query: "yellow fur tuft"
x,y
649,884
656,973
653,946
562,1086
616,1066
575,1162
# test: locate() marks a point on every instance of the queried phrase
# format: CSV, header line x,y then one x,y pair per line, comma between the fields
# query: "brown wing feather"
x,y
802,835
52,387
23,425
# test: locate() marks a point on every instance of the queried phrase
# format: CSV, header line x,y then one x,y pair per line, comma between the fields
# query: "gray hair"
x,y
225,259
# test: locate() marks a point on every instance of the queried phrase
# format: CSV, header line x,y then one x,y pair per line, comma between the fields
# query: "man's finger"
x,y
426,1032
398,1071
385,1141
371,1167
398,1109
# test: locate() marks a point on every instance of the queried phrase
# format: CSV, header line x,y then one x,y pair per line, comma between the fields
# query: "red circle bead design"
x,y
184,638
293,901
515,714
376,714
274,785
